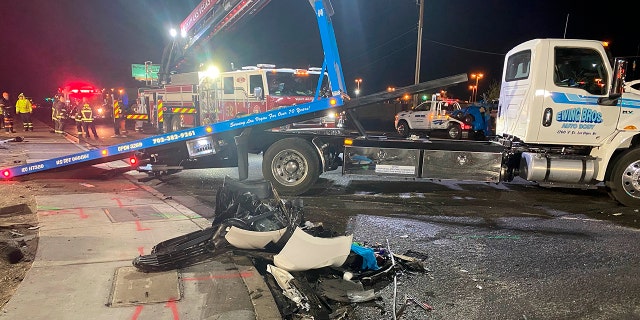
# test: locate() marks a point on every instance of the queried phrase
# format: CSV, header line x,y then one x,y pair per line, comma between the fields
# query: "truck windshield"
x,y
293,84
94,100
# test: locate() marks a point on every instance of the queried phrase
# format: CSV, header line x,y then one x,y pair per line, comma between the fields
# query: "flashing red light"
x,y
133,161
466,127
6,173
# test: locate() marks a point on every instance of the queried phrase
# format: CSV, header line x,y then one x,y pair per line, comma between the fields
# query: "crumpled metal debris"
x,y
283,279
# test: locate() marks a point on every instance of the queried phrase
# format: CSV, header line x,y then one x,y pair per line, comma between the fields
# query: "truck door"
x,y
437,117
577,75
419,116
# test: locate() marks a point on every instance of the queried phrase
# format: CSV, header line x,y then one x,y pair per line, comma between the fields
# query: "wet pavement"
x,y
512,251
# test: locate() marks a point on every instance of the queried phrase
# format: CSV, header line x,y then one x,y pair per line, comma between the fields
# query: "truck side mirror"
x,y
258,93
617,83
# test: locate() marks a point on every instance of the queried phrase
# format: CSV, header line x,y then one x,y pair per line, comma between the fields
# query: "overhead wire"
x,y
362,66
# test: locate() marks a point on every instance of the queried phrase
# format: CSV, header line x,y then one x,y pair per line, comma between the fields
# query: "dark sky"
x,y
46,43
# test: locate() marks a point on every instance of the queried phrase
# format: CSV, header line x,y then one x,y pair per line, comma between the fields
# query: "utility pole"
x,y
419,49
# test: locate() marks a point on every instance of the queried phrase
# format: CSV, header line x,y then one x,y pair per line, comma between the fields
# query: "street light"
x,y
358,81
473,89
474,93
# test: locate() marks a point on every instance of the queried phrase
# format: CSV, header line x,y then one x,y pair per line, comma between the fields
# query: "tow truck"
x,y
434,115
566,118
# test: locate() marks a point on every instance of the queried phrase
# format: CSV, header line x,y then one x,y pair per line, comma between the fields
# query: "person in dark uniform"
x,y
7,112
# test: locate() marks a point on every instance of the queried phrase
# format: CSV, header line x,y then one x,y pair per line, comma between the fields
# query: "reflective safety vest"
x,y
87,113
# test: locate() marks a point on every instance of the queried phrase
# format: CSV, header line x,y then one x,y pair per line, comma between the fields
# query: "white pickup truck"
x,y
431,116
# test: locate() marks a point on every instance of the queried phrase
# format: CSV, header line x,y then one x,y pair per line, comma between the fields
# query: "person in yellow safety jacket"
x,y
87,121
24,109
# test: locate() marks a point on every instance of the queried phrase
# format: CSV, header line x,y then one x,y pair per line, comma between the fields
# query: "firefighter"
x,y
7,111
24,109
87,120
59,114
77,116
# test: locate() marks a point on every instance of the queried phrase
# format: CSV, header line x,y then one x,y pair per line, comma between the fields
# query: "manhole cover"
x,y
132,287
124,214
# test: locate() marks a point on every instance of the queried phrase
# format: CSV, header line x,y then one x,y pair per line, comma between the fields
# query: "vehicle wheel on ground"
x,y
403,129
624,182
454,131
292,165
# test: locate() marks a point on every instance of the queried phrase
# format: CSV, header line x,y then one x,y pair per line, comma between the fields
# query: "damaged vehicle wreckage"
x,y
331,271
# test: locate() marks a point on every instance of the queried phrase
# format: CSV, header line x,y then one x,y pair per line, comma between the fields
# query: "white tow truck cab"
x,y
568,116
563,104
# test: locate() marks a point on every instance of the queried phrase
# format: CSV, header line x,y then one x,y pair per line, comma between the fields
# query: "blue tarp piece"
x,y
369,261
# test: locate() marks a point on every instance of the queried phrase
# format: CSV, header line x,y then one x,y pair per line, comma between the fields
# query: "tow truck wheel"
x,y
292,165
454,131
403,129
624,183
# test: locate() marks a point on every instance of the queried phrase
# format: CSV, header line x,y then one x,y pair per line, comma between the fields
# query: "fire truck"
x,y
199,98
75,92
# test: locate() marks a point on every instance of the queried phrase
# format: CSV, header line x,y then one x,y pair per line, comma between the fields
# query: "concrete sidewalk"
x,y
88,240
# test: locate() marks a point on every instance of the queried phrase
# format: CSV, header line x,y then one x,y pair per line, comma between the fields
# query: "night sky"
x,y
47,43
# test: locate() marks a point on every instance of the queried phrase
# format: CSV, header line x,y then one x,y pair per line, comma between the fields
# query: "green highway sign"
x,y
143,72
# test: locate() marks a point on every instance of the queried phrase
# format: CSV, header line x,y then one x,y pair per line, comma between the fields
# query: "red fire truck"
x,y
75,92
198,98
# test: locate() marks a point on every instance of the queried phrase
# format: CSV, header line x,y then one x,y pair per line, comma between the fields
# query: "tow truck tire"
x,y
403,129
292,165
454,131
624,183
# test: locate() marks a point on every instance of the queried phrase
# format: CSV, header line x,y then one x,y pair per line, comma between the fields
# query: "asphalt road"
x,y
493,251
505,251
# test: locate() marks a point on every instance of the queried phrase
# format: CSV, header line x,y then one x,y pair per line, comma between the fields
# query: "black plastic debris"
x,y
251,205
